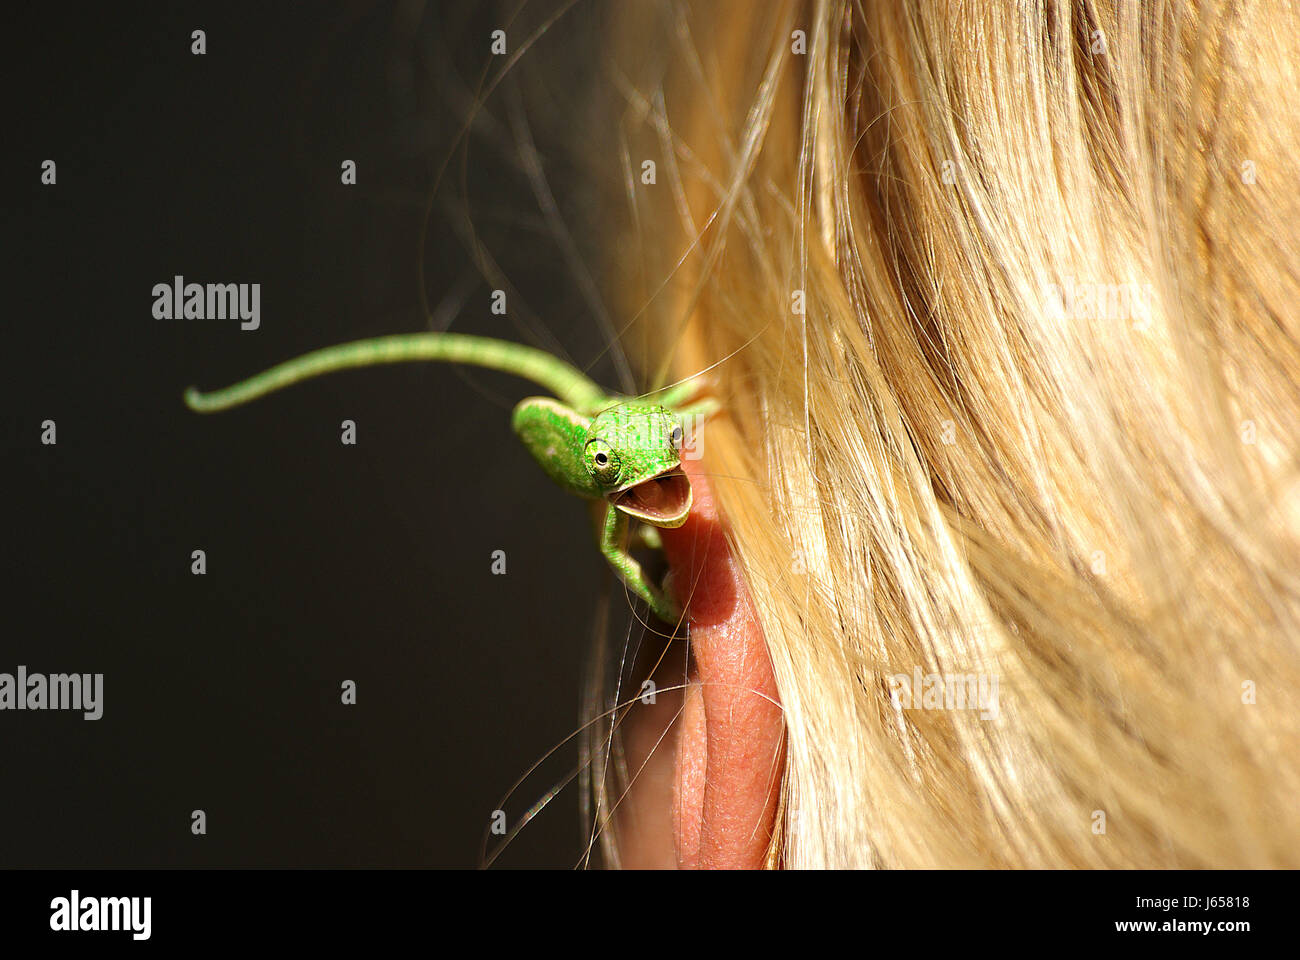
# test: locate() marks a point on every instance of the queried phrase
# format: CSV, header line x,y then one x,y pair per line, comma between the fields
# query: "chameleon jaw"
x,y
663,500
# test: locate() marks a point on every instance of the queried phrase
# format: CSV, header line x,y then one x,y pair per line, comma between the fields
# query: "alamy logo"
x,y
58,691
945,691
76,913
1086,300
212,301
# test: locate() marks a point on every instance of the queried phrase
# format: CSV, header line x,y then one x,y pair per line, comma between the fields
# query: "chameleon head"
x,y
633,454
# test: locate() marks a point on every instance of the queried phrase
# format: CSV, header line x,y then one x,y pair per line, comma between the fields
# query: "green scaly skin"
x,y
623,454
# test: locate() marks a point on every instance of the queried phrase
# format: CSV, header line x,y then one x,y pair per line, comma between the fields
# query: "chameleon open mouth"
x,y
664,500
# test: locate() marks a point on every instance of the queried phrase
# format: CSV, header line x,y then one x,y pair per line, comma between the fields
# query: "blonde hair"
x,y
1035,421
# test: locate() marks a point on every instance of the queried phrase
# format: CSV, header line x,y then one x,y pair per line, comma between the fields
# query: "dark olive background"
x,y
325,562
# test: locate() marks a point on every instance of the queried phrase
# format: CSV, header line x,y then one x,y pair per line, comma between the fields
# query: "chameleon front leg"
x,y
644,535
613,544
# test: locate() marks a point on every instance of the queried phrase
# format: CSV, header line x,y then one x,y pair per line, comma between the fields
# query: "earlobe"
x,y
730,753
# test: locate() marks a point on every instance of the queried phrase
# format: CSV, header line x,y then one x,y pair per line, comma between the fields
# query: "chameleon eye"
x,y
676,437
602,462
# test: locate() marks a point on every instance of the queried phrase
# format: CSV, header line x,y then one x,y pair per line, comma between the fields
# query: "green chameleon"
x,y
621,453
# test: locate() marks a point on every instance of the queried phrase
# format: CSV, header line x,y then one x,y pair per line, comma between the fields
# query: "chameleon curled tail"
x,y
621,453
563,380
